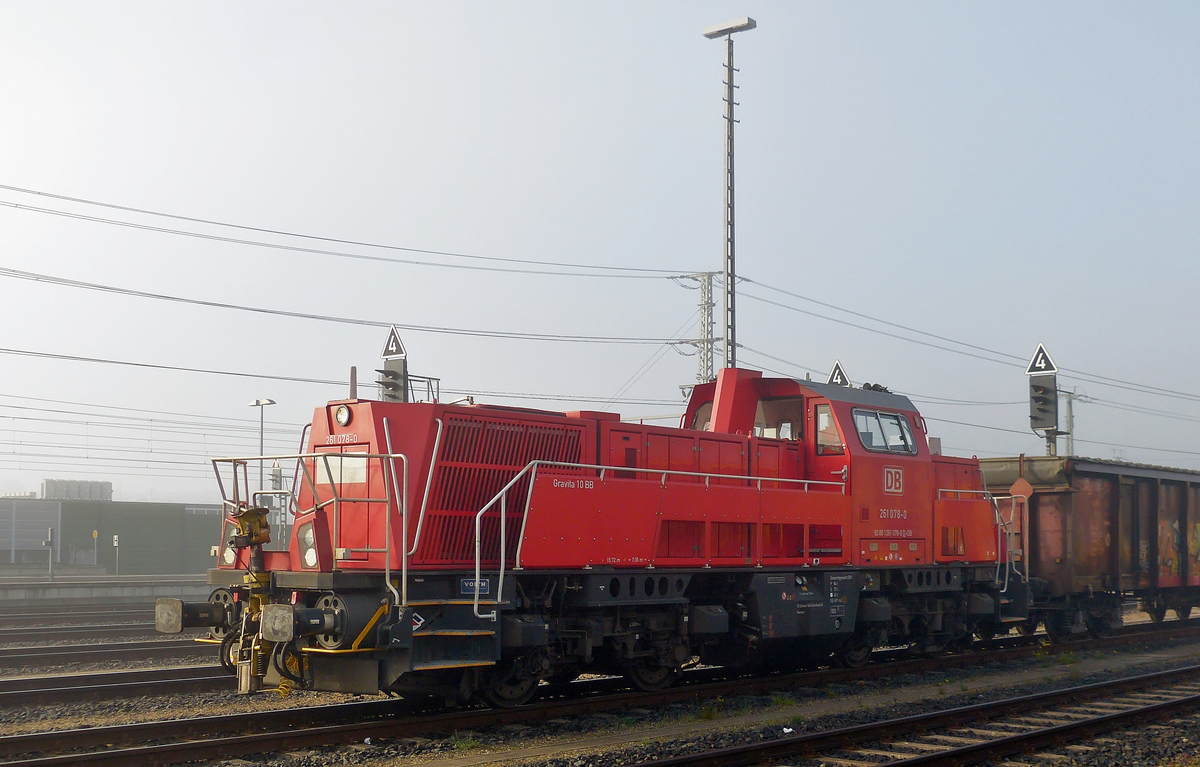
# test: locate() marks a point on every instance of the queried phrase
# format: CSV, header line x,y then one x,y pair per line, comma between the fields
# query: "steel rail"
x,y
92,631
11,657
50,618
810,745
102,685
280,729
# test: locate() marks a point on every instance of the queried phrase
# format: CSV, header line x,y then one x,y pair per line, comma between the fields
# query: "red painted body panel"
x,y
768,497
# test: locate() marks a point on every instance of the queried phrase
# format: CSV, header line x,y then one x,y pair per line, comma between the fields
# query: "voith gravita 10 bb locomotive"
x,y
464,551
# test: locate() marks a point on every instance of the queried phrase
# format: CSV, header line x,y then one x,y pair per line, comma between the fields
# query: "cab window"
x,y
702,417
829,442
884,432
779,418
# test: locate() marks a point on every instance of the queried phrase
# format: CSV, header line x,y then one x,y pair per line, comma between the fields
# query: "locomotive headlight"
x,y
342,415
229,556
307,539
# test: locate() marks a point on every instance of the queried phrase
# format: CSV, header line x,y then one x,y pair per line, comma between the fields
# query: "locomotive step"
x,y
460,602
439,665
455,633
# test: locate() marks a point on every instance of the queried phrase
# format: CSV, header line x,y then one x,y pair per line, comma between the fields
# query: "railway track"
x,y
972,734
58,615
291,729
16,657
93,631
101,685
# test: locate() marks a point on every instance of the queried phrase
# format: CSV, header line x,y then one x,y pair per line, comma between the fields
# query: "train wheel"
x,y
1183,612
650,675
854,654
229,650
511,685
1028,627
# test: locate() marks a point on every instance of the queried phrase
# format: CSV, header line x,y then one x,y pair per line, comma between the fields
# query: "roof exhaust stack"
x,y
353,382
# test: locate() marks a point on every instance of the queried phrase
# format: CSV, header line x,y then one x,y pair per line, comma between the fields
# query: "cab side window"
x,y
829,442
882,432
779,418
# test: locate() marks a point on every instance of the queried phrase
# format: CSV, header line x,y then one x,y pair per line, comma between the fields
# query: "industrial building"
x,y
94,534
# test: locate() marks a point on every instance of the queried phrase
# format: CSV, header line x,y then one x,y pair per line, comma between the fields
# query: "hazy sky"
x,y
996,174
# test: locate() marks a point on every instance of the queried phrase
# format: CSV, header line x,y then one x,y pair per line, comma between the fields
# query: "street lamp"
x,y
726,30
261,404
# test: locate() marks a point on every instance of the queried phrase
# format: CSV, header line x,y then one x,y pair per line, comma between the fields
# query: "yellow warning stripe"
x,y
370,625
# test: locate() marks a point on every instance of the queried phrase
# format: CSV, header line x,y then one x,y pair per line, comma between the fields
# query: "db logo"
x,y
893,480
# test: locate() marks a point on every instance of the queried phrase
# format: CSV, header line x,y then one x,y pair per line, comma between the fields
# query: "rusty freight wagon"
x,y
1096,532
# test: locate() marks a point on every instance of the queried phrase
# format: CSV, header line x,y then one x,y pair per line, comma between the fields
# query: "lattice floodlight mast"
x,y
730,274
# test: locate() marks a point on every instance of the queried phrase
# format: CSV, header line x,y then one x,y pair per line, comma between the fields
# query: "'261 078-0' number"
x,y
341,439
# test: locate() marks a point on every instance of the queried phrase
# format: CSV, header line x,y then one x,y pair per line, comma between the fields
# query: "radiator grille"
x,y
479,455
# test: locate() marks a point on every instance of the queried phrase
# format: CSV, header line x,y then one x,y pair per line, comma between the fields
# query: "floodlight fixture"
x,y
729,27
726,31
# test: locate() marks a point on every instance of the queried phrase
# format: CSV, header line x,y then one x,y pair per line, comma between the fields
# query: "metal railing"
x,y
531,468
983,494
1006,533
308,463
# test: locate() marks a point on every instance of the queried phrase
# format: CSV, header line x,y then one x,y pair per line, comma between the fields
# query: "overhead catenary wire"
x,y
294,379
477,332
1020,432
286,233
633,274
618,271
250,421
1002,358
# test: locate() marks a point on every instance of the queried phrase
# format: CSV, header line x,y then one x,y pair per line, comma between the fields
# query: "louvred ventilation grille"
x,y
479,456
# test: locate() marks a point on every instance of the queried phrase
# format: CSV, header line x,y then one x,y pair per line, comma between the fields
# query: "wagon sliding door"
x,y
1136,517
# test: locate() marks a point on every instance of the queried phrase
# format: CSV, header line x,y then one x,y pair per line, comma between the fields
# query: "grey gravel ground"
x,y
708,725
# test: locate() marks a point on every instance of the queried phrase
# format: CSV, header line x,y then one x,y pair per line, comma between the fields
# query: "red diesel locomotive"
x,y
457,550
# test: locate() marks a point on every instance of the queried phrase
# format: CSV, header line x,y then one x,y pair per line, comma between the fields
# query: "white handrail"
x,y
437,441
390,488
402,507
531,467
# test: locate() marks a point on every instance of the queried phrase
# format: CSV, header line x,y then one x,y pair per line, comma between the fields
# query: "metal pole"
x,y
261,449
1070,424
730,273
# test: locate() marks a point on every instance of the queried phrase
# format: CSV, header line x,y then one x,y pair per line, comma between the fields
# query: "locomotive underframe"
x,y
555,625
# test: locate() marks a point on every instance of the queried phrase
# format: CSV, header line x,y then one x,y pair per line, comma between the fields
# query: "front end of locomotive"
x,y
337,609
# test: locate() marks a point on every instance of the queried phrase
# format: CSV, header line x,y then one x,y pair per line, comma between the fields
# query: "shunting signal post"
x,y
1043,398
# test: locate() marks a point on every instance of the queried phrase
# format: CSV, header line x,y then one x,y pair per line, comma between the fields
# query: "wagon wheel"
x,y
1057,626
1157,611
650,675
1183,612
